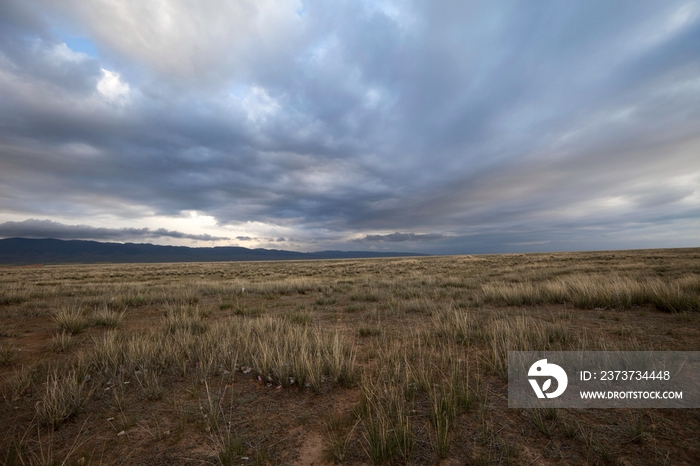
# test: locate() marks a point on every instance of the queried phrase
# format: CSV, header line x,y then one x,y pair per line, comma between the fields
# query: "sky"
x,y
449,127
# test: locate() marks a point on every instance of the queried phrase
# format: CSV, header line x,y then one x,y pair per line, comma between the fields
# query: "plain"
x,y
371,361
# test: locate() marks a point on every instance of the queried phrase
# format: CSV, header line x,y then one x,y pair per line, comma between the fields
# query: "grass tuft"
x,y
61,342
70,319
8,354
63,398
385,418
105,317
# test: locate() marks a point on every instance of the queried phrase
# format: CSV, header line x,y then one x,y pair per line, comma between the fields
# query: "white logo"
x,y
542,369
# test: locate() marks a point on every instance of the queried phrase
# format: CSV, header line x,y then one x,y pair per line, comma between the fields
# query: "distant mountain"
x,y
22,251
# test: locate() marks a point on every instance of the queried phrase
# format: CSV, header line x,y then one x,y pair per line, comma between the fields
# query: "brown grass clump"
x,y
61,342
70,319
63,397
106,317
8,354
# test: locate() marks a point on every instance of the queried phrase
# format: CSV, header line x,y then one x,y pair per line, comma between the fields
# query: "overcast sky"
x,y
429,126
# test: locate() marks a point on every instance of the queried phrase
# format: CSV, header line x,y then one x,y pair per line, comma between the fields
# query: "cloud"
x,y
401,237
326,122
111,88
183,42
34,228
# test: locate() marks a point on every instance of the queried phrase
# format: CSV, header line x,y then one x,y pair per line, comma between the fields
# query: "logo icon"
x,y
543,369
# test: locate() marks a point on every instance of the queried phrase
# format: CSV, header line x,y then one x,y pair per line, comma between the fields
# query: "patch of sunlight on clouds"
x,y
199,219
191,222
62,53
112,89
603,205
614,202
257,234
190,39
80,150
259,105
689,181
319,181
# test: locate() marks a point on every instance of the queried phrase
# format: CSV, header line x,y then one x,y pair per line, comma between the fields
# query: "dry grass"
x,y
8,354
71,319
106,317
385,418
63,397
278,350
385,361
522,333
61,342
19,383
610,291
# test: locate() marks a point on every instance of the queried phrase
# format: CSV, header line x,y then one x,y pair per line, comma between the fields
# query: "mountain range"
x,y
24,251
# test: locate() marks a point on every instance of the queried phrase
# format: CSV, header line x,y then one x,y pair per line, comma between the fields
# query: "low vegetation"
x,y
382,361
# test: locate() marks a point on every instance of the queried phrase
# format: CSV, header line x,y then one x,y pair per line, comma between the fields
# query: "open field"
x,y
350,361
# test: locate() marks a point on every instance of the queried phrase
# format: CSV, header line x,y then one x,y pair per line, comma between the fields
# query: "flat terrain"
x,y
369,361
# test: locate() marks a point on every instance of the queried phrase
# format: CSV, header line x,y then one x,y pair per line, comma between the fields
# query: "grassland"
x,y
375,361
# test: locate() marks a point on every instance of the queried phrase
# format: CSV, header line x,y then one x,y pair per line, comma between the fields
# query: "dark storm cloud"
x,y
33,228
497,124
